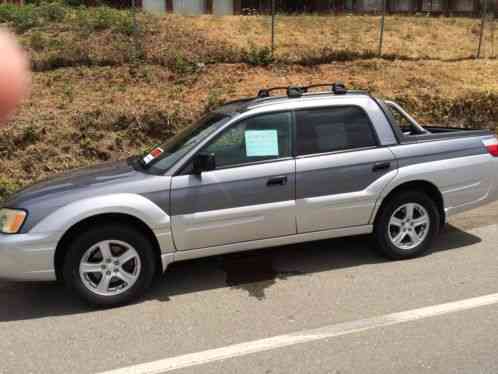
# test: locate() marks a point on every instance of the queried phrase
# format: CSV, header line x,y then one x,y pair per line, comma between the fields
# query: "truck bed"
x,y
440,133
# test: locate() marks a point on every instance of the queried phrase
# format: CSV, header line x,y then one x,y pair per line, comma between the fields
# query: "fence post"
x,y
137,46
272,27
483,22
382,22
493,32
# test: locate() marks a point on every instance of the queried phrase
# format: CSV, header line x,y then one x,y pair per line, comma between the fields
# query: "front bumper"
x,y
28,257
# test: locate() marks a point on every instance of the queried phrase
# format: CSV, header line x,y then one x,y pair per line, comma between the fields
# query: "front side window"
x,y
332,129
185,141
259,138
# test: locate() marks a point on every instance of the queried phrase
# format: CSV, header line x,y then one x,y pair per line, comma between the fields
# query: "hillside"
x,y
99,94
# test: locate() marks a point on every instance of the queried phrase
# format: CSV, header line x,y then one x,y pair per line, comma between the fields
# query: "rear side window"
x,y
333,129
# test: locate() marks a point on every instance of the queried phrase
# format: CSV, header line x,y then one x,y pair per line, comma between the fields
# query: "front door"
x,y
340,170
251,193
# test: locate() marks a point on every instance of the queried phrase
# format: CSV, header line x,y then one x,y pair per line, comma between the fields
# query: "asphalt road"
x,y
218,302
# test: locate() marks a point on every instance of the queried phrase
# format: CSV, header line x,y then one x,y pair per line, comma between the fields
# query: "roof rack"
x,y
337,88
265,92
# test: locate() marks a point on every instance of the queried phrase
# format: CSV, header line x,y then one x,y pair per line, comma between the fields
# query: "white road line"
x,y
280,341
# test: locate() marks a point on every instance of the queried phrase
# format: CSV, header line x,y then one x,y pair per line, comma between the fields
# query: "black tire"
x,y
89,238
381,226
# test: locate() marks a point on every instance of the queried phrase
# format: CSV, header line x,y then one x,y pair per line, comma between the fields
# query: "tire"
x,y
110,265
399,237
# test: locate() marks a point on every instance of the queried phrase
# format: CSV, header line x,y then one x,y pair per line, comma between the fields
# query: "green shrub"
x,y
105,18
24,18
51,11
7,12
214,100
328,55
7,187
258,56
182,66
75,3
72,55
29,136
37,42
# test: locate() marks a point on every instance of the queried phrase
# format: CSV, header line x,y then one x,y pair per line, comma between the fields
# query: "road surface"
x,y
332,306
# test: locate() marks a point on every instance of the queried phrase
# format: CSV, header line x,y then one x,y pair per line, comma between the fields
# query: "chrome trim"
x,y
337,152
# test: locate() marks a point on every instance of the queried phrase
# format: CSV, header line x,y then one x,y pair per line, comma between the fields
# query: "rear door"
x,y
250,195
340,168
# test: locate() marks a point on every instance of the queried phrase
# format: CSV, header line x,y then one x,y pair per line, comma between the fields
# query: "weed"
x,y
104,18
24,18
37,41
7,187
258,56
29,136
328,55
51,12
214,100
182,66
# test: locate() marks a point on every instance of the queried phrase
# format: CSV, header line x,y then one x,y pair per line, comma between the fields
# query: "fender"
x,y
446,175
135,205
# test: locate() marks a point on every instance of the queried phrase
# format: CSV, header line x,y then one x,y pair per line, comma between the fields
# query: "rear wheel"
x,y
406,225
110,265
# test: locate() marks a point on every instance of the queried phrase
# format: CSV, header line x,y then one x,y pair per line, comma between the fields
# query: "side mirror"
x,y
203,162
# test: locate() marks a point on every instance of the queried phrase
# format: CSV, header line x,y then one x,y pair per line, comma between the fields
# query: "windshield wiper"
x,y
136,161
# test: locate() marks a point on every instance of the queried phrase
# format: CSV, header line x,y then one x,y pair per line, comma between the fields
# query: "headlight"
x,y
11,220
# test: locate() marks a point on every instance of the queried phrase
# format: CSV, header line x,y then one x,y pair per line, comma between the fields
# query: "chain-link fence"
x,y
475,35
113,32
323,31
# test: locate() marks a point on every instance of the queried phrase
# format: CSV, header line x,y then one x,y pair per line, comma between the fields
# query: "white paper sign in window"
x,y
261,143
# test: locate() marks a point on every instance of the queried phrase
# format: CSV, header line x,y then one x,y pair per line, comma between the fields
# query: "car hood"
x,y
94,176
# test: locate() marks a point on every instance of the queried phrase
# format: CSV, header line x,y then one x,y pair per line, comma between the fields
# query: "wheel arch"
x,y
100,219
429,188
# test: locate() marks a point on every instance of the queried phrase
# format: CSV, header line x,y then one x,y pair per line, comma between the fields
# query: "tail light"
x,y
491,145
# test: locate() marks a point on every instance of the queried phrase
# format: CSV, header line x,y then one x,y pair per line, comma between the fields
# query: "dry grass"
x,y
300,36
179,41
80,116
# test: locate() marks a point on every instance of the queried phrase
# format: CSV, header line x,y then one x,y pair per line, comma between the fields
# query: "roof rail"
x,y
337,88
265,92
239,101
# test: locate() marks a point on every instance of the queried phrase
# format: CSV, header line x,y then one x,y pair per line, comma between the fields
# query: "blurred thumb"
x,y
14,75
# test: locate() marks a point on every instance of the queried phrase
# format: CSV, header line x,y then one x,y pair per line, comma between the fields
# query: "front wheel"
x,y
109,266
406,225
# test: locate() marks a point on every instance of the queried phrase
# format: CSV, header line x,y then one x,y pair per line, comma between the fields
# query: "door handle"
x,y
381,166
277,181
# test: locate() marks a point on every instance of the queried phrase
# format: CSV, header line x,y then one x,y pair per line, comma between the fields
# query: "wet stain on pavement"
x,y
253,272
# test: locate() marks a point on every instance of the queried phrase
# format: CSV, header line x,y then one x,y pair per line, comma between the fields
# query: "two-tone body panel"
x,y
462,170
233,205
341,190
57,204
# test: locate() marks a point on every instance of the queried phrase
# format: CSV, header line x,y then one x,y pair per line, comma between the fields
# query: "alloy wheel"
x,y
110,267
408,226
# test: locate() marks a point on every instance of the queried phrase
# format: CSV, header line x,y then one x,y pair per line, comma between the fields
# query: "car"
x,y
259,172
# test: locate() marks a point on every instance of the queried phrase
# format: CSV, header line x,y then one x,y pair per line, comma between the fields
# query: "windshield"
x,y
183,142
